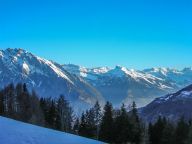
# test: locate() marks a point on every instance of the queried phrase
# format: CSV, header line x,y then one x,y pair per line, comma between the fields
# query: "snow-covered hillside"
x,y
15,132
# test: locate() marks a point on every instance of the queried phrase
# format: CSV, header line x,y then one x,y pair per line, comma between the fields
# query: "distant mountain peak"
x,y
18,58
15,51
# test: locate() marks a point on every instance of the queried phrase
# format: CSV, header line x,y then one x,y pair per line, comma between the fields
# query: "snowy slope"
x,y
15,132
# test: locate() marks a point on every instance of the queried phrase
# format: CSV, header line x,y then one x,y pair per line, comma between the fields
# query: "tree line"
x,y
110,125
167,132
18,103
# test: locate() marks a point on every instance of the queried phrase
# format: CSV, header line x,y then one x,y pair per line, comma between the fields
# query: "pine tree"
x,y
106,129
1,103
98,116
10,100
136,129
181,132
90,120
167,134
83,126
52,115
37,116
76,126
24,110
189,138
150,133
121,129
45,104
156,131
65,114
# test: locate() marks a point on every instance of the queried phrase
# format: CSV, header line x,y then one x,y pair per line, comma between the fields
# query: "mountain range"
x,y
123,85
84,86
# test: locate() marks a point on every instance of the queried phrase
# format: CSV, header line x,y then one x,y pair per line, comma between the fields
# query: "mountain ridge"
x,y
155,82
87,85
172,106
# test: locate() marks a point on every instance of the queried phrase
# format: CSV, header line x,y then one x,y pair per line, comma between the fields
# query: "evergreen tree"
x,y
65,114
189,138
83,126
52,115
37,116
136,129
106,129
121,127
156,131
167,134
10,101
98,116
76,126
150,133
24,105
1,103
181,132
45,104
90,120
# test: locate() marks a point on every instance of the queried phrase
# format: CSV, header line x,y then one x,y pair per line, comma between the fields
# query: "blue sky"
x,y
133,33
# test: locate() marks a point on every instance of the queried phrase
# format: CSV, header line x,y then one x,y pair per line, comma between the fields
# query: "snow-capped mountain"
x,y
46,77
120,84
180,78
172,106
83,85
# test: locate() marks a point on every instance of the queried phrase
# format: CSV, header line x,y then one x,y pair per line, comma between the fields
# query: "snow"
x,y
33,83
26,68
1,54
39,84
100,70
95,74
163,99
182,95
186,93
164,86
29,63
57,70
15,132
90,74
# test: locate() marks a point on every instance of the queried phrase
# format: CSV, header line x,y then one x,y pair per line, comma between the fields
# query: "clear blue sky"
x,y
132,33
